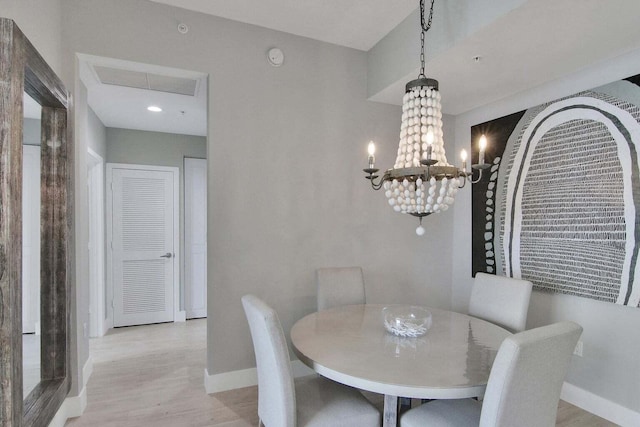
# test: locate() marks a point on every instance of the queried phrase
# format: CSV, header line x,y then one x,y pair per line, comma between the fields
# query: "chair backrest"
x,y
339,286
501,300
527,375
276,392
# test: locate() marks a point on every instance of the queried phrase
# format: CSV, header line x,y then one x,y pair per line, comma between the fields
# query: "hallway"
x,y
153,376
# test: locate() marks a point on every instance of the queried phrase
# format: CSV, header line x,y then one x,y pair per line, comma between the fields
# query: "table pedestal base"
x,y
390,416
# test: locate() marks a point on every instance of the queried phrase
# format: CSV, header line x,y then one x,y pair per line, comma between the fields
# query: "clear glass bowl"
x,y
406,321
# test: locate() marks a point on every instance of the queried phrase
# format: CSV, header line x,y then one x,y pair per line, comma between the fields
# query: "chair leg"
x,y
404,404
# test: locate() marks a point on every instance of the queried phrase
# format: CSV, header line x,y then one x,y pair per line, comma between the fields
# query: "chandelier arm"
x,y
469,176
372,178
477,180
385,177
464,176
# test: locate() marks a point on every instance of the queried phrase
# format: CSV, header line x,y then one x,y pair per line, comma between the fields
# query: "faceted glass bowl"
x,y
406,321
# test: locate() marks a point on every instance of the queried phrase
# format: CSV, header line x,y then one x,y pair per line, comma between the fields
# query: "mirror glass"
x,y
31,245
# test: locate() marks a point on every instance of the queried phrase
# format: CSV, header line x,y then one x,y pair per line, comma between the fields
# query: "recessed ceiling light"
x,y
154,108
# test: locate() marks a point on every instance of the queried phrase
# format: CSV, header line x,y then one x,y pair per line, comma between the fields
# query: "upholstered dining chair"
x,y
501,300
523,389
339,286
311,401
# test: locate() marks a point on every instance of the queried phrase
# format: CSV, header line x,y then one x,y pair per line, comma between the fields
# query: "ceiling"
x,y
355,24
538,42
535,42
117,94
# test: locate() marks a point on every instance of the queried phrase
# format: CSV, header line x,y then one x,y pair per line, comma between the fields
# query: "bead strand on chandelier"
x,y
421,128
421,197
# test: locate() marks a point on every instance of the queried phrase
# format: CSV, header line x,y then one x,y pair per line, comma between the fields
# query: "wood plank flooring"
x,y
153,376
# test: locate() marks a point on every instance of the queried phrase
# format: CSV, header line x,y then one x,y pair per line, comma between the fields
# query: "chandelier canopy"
x,y
421,181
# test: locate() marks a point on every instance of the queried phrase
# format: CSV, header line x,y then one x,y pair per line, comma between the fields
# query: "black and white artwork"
x,y
560,204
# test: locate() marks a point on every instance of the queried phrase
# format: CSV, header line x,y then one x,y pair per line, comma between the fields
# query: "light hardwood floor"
x,y
153,376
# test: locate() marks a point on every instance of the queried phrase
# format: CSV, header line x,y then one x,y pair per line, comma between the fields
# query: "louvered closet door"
x,y
143,247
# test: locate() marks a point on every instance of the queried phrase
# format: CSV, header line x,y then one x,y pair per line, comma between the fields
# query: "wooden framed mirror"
x,y
22,69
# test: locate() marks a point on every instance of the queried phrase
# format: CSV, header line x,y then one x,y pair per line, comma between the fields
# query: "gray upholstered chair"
x,y
523,389
501,300
311,401
339,286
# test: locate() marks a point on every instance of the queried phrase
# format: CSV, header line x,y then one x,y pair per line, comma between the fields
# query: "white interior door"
x,y
31,239
195,239
144,244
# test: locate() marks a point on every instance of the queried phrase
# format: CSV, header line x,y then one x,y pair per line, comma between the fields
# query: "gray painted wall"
x,y
152,148
96,134
285,149
157,149
609,367
41,22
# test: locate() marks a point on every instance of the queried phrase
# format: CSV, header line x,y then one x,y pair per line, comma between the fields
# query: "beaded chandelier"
x,y
421,181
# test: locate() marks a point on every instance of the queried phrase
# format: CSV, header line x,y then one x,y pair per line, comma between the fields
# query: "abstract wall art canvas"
x,y
560,204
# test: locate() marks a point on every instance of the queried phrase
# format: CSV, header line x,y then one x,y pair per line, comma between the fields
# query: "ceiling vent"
x,y
148,81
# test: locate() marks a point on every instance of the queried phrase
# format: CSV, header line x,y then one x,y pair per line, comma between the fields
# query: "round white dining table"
x,y
350,345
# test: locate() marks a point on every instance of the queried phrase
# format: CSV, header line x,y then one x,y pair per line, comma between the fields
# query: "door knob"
x,y
167,255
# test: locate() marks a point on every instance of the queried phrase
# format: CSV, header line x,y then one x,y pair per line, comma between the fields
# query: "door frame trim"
x,y
186,218
178,315
99,322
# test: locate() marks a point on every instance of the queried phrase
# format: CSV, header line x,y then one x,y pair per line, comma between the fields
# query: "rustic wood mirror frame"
x,y
22,69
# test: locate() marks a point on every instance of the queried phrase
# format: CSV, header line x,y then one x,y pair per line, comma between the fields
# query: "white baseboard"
x,y
600,406
245,378
230,380
581,398
87,370
60,419
71,407
108,324
180,316
74,406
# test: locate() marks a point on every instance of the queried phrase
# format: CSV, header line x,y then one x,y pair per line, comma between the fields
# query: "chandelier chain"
x,y
425,26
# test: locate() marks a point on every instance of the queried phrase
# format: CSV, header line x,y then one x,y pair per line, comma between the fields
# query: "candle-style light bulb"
x,y
483,146
429,144
463,156
372,150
